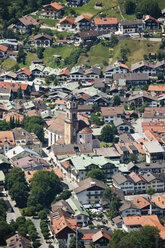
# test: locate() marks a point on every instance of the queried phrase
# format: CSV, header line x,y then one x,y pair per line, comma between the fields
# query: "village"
x,y
82,127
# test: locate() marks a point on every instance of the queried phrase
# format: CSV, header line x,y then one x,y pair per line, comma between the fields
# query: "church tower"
x,y
71,122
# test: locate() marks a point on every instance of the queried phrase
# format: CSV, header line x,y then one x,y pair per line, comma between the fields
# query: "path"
x,y
120,12
16,213
41,237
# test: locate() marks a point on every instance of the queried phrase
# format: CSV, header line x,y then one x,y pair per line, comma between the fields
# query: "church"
x,y
71,128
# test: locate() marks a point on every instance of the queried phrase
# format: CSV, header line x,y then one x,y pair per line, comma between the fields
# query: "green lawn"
x,y
49,22
137,49
64,51
97,55
104,144
28,60
8,63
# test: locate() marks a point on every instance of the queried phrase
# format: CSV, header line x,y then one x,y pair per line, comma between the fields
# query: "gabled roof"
x,y
8,136
63,222
64,71
56,6
141,202
18,240
105,21
14,86
120,178
115,65
148,17
159,201
112,111
3,48
81,17
100,234
38,36
76,207
89,183
28,20
159,88
68,19
25,71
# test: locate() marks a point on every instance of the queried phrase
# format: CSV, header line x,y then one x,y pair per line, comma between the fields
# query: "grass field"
x,y
64,51
8,63
97,55
136,49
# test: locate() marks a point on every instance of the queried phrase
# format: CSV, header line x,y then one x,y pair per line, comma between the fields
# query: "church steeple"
x,y
71,122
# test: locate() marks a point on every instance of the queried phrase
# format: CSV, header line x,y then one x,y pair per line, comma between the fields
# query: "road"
x,y
138,126
16,213
41,237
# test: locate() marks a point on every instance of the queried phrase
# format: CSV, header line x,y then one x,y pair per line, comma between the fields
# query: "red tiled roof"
x,y
64,71
8,135
68,19
159,88
24,70
3,48
105,21
13,86
56,6
148,17
141,202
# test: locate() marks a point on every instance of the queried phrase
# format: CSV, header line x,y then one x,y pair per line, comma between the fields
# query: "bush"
x,y
42,214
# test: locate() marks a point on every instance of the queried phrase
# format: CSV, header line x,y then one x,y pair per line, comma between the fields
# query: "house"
x,y
92,73
128,27
60,104
116,67
98,238
110,114
154,151
88,37
155,181
133,222
77,73
83,23
6,95
85,109
101,84
20,151
64,74
144,67
151,23
108,152
24,24
53,9
25,89
128,208
3,52
18,241
24,74
143,204
155,115
159,201
42,40
30,163
80,213
6,141
132,79
123,126
66,23
123,182
17,118
139,98
29,140
105,24
37,70
63,228
89,191
8,75
156,89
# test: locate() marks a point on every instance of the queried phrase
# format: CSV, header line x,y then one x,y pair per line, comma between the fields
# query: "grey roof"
x,y
149,177
134,22
93,70
126,205
89,183
126,138
139,94
71,149
38,36
131,76
153,147
120,178
5,90
107,152
62,204
120,121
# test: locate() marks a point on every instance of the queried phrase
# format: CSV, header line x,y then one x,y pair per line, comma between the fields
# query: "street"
x,y
16,213
41,237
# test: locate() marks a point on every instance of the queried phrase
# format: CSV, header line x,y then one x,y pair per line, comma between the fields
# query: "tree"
x,y
35,125
40,51
21,55
133,158
17,186
116,100
6,231
148,7
43,214
4,126
160,75
73,243
117,236
19,93
97,174
108,132
63,196
94,119
45,185
129,7
150,191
